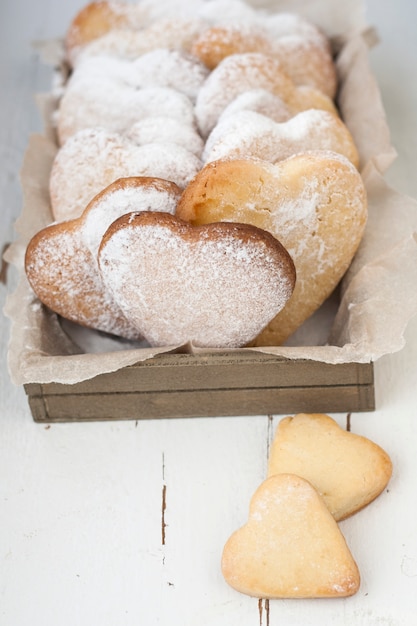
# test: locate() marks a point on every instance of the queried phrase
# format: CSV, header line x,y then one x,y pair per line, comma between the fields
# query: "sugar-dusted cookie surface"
x,y
238,73
306,59
215,286
114,93
94,158
291,546
348,470
314,203
173,34
166,130
248,134
61,260
98,18
258,100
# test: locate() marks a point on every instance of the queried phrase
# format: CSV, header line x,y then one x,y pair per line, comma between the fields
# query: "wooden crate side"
x,y
225,371
203,403
39,410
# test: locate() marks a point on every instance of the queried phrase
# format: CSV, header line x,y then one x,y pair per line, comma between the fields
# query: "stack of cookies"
x,y
292,545
205,189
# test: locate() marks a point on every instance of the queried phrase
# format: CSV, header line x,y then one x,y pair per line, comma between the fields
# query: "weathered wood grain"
x,y
172,386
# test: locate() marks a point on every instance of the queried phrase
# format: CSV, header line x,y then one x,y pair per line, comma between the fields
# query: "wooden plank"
x,y
232,370
212,403
219,384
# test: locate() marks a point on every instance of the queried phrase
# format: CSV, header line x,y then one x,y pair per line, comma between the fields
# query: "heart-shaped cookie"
x,y
348,470
306,60
166,130
61,260
314,203
173,34
117,108
157,68
291,546
238,73
251,135
98,18
94,158
258,100
214,286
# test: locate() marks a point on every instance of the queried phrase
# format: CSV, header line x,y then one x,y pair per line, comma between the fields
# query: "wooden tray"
x,y
220,384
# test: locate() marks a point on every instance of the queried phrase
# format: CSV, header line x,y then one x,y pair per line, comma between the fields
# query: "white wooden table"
x,y
123,523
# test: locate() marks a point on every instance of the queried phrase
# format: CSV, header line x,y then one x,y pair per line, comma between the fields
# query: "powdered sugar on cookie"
x,y
243,72
94,158
116,104
212,286
61,260
258,100
125,195
172,34
250,135
313,202
160,129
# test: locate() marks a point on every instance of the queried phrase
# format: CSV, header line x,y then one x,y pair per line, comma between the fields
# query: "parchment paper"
x,y
364,320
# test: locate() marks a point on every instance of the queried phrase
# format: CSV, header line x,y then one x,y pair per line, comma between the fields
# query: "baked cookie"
x,y
98,18
291,546
218,42
218,12
251,135
94,158
306,60
243,72
314,203
61,260
172,34
349,471
258,100
115,93
168,130
215,286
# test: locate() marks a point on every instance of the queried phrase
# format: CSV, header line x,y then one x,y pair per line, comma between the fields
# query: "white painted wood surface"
x,y
121,524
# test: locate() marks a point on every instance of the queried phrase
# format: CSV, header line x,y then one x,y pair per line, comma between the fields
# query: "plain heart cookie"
x,y
314,203
348,470
291,546
61,260
214,286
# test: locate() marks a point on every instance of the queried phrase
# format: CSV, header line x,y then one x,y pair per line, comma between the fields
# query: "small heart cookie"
x,y
94,158
251,135
314,203
242,72
291,546
61,260
214,286
349,471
